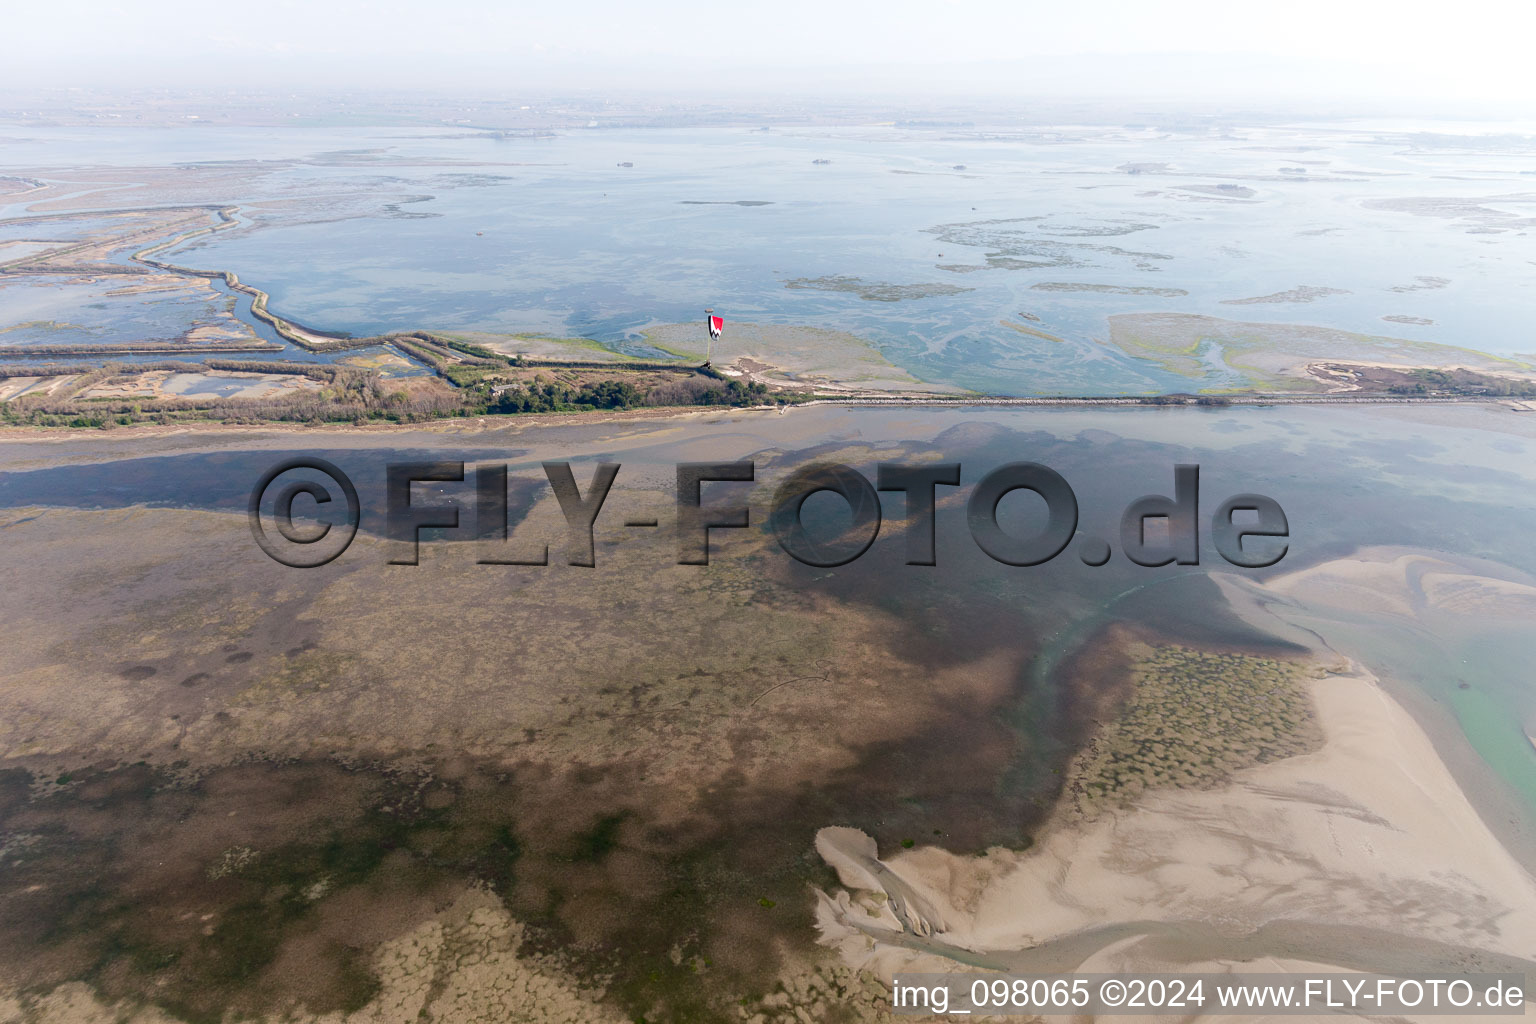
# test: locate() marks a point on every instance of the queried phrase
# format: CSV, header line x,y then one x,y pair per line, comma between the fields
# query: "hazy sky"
x,y
1391,47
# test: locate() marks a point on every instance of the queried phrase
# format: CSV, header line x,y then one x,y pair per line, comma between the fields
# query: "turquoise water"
x,y
367,231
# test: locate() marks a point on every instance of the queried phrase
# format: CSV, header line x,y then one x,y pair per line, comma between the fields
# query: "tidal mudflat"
x,y
379,792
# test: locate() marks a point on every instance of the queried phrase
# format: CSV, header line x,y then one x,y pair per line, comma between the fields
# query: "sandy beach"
x,y
1369,839
1406,583
1364,855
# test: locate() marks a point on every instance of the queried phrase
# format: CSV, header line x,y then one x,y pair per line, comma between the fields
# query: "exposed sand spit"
x,y
1365,855
1408,583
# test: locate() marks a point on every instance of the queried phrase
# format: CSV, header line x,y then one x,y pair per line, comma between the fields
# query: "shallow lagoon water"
x,y
187,631
1448,479
459,230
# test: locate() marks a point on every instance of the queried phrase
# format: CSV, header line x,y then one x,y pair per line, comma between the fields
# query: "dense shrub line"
x,y
355,395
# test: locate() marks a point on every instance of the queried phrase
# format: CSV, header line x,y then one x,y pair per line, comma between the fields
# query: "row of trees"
x,y
557,396
1450,383
351,395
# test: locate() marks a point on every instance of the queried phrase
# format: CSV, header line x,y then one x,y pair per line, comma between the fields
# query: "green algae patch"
x,y
532,345
874,291
1032,332
1189,720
